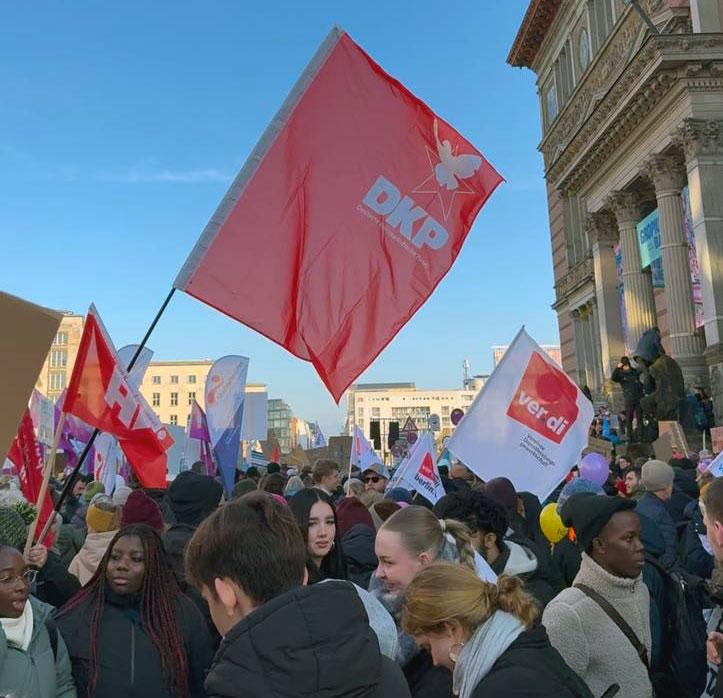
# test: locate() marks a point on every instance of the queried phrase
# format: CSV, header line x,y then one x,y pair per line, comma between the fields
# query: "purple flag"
x,y
198,430
75,435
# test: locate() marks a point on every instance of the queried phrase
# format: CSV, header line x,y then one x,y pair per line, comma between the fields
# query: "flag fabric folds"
x,y
419,471
102,394
225,393
359,198
363,456
529,423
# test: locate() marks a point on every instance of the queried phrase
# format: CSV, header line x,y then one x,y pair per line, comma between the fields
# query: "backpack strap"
x,y
52,629
616,618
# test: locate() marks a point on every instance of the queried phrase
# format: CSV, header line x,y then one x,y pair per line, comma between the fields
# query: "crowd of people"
x,y
299,584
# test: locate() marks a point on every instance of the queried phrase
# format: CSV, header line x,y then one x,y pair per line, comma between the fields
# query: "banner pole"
x,y
70,480
44,488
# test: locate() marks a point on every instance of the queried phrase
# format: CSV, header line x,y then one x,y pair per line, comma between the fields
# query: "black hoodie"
x,y
313,641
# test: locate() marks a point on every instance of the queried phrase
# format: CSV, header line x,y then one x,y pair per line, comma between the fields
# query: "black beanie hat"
x,y
193,496
589,513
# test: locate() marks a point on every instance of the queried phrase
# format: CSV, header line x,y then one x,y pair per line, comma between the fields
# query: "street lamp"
x,y
636,6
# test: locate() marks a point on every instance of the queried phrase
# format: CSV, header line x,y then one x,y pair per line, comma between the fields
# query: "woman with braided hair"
x,y
130,631
407,541
486,635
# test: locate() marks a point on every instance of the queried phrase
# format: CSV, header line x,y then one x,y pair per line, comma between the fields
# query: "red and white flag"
x,y
419,471
25,455
363,456
357,200
529,423
102,395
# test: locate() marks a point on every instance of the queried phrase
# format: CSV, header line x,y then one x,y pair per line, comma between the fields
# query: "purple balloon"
x,y
595,468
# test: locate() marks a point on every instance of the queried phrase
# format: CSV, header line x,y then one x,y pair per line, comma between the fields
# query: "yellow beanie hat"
x,y
102,518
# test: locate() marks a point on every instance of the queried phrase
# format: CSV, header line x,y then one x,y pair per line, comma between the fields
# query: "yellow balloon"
x,y
551,523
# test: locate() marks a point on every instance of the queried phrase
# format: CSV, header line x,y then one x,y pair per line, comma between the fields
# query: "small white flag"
x,y
419,472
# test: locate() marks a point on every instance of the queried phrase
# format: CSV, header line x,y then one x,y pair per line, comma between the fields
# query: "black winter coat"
x,y
630,383
311,641
531,668
55,585
361,560
128,662
426,680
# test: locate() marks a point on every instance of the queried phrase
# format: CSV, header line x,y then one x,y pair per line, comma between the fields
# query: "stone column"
x,y
639,296
668,175
580,353
603,235
596,345
702,143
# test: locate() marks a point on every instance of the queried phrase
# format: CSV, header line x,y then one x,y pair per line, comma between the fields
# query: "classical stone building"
x,y
633,152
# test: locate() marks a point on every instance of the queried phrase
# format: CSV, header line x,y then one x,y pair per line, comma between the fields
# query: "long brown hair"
x,y
421,531
443,593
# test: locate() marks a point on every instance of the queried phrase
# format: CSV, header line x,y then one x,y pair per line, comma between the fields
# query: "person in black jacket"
x,y
485,634
281,638
130,631
629,379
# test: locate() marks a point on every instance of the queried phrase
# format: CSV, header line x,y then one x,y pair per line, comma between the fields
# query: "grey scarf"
x,y
483,649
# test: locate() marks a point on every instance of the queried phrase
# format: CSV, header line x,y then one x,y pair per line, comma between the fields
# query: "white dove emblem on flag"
x,y
453,167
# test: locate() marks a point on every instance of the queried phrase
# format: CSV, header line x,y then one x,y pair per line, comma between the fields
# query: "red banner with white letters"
x,y
352,208
101,394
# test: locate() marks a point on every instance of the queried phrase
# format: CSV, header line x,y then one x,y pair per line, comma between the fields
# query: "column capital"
x,y
601,228
667,173
625,205
700,137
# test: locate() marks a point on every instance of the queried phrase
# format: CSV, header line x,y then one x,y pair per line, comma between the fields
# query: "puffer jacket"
x,y
40,672
311,641
129,663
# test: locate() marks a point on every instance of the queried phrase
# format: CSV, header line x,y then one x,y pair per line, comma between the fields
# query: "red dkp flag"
x,y
352,207
25,455
101,394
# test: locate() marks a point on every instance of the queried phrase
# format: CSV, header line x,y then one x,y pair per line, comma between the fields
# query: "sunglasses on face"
x,y
372,478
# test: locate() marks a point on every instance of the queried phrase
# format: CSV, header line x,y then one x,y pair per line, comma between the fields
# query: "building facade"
x,y
170,387
632,144
280,424
396,402
552,350
58,366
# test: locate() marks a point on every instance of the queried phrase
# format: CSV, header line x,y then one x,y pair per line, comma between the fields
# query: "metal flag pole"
x,y
70,480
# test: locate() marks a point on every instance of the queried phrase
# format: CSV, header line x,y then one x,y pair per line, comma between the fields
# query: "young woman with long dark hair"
x,y
130,631
316,516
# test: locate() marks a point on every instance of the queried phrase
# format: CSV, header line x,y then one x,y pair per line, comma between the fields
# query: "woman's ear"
x,y
226,595
425,558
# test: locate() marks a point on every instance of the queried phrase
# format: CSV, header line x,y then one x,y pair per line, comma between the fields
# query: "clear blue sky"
x,y
122,125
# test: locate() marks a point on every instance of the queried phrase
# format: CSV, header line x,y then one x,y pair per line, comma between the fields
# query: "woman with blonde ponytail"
x,y
486,635
409,540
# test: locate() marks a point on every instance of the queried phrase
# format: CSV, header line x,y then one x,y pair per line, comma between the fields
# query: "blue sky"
x,y
122,125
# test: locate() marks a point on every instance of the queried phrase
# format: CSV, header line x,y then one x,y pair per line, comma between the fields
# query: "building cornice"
x,y
614,100
535,25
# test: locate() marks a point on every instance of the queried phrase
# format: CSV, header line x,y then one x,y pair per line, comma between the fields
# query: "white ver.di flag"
x,y
419,471
529,423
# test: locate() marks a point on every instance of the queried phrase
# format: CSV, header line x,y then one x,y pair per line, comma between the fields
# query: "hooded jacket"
x,y
630,383
129,663
591,644
518,560
86,562
39,672
654,509
531,668
310,642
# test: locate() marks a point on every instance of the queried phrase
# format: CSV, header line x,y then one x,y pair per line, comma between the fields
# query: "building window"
x,y
173,419
191,398
174,399
445,409
551,104
57,381
446,421
583,50
174,380
156,400
156,380
376,411
360,423
58,358
192,379
61,339
360,411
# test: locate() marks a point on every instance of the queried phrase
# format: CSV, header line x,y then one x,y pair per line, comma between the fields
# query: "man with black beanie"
x,y
601,625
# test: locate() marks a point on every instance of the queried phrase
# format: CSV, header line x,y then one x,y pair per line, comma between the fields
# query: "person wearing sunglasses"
x,y
34,661
375,478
